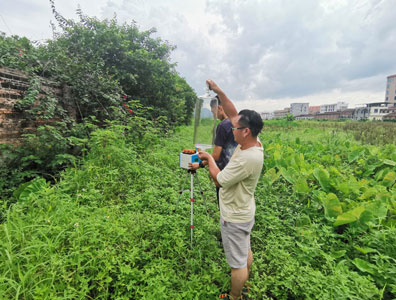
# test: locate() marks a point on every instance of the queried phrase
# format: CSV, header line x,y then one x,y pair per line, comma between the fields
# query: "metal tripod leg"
x,y
192,200
192,206
181,192
203,196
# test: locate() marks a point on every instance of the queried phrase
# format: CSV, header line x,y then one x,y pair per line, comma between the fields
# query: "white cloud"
x,y
276,51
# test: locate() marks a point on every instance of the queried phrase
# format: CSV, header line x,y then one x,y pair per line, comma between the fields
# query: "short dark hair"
x,y
252,120
215,102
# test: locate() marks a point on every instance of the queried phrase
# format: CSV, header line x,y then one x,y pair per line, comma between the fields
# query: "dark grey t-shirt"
x,y
225,139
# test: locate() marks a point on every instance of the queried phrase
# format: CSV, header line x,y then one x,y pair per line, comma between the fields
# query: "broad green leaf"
x,y
354,155
301,186
364,266
25,190
334,172
353,185
332,206
343,187
272,175
369,193
323,177
290,174
349,216
277,155
378,209
389,162
389,179
338,254
365,250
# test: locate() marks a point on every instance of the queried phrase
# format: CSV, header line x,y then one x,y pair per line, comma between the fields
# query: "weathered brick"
x,y
13,86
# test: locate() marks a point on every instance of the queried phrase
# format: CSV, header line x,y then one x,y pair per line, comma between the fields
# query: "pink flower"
x,y
124,97
130,111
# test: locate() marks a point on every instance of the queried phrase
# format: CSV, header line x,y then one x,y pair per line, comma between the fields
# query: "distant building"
x,y
347,114
339,106
305,117
390,94
360,113
313,110
333,115
378,110
391,116
267,115
298,109
281,113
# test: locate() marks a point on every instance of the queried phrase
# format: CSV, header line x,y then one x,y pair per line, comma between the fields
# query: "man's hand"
x,y
204,155
226,103
213,86
193,166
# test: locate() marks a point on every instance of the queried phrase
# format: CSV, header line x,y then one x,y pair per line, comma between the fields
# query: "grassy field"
x,y
325,222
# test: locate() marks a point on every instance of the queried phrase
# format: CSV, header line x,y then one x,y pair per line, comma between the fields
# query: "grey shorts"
x,y
236,242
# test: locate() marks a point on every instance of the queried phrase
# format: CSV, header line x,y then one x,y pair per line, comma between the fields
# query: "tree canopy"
x,y
105,64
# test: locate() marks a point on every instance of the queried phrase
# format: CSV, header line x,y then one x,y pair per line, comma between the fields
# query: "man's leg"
x,y
240,276
250,260
238,280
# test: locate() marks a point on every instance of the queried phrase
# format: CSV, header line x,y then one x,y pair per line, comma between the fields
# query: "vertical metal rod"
x,y
192,206
180,193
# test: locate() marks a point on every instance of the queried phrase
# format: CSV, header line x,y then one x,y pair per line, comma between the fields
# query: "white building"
x,y
378,110
298,109
267,115
339,106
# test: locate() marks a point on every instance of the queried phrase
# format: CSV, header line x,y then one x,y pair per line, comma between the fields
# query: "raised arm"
x,y
226,103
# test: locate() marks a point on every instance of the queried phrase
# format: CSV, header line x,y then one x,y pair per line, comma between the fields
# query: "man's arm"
x,y
216,152
213,168
226,103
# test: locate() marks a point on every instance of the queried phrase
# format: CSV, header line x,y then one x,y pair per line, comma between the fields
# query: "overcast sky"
x,y
265,54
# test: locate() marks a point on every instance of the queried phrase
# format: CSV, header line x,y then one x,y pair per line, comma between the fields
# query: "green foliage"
x,y
18,53
102,61
106,229
103,68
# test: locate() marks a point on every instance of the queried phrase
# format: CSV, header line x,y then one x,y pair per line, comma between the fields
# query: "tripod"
x,y
193,173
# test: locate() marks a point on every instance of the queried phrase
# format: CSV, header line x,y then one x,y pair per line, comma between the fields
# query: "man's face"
x,y
240,133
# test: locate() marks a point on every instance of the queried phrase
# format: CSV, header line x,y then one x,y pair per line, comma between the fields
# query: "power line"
x,y
5,23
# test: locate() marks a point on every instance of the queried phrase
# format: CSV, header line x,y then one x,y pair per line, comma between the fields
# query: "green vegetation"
x,y
325,222
107,71
104,227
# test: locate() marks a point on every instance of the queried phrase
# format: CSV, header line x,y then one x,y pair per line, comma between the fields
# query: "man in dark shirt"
x,y
224,141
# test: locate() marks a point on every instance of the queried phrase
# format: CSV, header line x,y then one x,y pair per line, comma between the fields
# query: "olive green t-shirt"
x,y
238,182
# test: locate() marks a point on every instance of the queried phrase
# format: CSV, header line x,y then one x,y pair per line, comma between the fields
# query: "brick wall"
x,y
13,86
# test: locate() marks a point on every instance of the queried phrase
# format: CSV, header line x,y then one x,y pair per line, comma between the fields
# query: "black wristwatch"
x,y
201,165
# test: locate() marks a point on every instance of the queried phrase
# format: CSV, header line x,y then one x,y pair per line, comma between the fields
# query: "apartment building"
x,y
378,110
339,106
390,94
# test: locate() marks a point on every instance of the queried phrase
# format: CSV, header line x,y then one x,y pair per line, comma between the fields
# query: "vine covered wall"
x,y
14,86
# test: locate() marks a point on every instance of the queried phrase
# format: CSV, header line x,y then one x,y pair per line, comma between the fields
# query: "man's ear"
x,y
246,132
